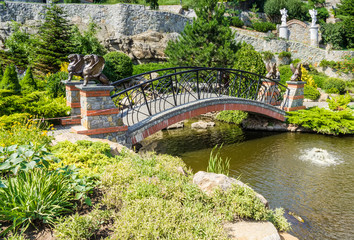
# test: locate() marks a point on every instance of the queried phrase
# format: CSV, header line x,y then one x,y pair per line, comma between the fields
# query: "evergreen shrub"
x,y
334,85
311,92
142,68
267,55
284,54
54,86
118,66
339,103
248,59
10,80
232,116
28,84
263,26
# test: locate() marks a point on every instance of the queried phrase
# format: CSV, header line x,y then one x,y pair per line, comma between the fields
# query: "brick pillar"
x,y
99,115
73,101
269,92
294,101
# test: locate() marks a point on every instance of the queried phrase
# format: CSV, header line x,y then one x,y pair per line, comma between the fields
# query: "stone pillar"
x,y
294,99
314,36
73,101
284,32
269,92
99,115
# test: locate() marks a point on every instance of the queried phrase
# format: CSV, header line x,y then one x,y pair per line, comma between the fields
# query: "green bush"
x,y
285,73
37,195
54,86
345,66
90,157
10,80
236,22
334,34
324,121
142,68
284,54
8,120
7,92
339,103
272,9
311,92
267,55
263,26
28,84
248,59
319,79
118,66
296,9
334,85
232,116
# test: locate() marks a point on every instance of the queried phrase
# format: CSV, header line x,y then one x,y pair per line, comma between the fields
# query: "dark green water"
x,y
310,175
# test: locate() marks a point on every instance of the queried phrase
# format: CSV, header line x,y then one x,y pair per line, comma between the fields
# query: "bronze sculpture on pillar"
x,y
297,73
89,67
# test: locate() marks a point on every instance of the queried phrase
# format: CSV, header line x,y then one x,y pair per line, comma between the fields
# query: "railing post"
x,y
146,102
173,92
198,91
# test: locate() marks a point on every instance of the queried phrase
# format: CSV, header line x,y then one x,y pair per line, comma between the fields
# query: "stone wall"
x,y
299,31
298,50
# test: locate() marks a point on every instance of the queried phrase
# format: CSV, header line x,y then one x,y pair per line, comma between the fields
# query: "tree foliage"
x,y
248,59
10,79
118,66
28,84
208,42
54,40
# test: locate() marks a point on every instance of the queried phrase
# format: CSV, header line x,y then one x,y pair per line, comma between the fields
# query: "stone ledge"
x,y
294,97
95,94
85,131
93,87
70,121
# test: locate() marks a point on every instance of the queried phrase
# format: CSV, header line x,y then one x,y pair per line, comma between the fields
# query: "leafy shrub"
x,y
248,59
334,34
311,92
232,116
7,92
24,158
217,164
306,77
322,14
295,61
236,22
22,133
285,73
284,54
324,121
118,66
339,103
267,55
272,8
263,26
296,9
334,85
142,68
28,84
319,79
8,121
9,80
38,195
91,157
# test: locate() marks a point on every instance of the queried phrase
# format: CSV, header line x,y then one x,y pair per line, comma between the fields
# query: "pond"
x,y
310,175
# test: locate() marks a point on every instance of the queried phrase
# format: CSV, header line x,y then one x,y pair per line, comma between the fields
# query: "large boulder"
x,y
202,125
209,181
246,230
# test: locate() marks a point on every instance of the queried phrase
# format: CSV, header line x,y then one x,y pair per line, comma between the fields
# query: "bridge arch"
x,y
149,126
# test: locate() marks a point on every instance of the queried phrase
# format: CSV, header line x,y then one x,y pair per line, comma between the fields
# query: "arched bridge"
x,y
152,101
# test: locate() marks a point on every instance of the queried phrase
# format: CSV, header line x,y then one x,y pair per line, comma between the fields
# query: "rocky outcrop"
x,y
208,182
176,125
246,230
144,47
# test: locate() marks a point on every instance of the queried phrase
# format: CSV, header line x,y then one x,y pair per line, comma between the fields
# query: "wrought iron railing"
x,y
144,95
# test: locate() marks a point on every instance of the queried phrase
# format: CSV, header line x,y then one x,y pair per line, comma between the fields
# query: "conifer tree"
x,y
10,80
28,84
54,40
208,42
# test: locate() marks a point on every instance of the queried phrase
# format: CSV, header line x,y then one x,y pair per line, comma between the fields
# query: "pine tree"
x,y
10,79
54,40
208,42
28,84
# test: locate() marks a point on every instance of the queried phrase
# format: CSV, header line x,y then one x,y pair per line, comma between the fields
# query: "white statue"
x,y
284,14
313,14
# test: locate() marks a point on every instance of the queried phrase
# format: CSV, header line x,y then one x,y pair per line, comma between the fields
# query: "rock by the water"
x,y
176,125
202,125
287,236
209,181
251,231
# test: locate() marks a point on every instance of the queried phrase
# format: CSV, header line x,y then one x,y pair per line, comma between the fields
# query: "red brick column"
x,y
269,92
99,116
73,101
294,99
